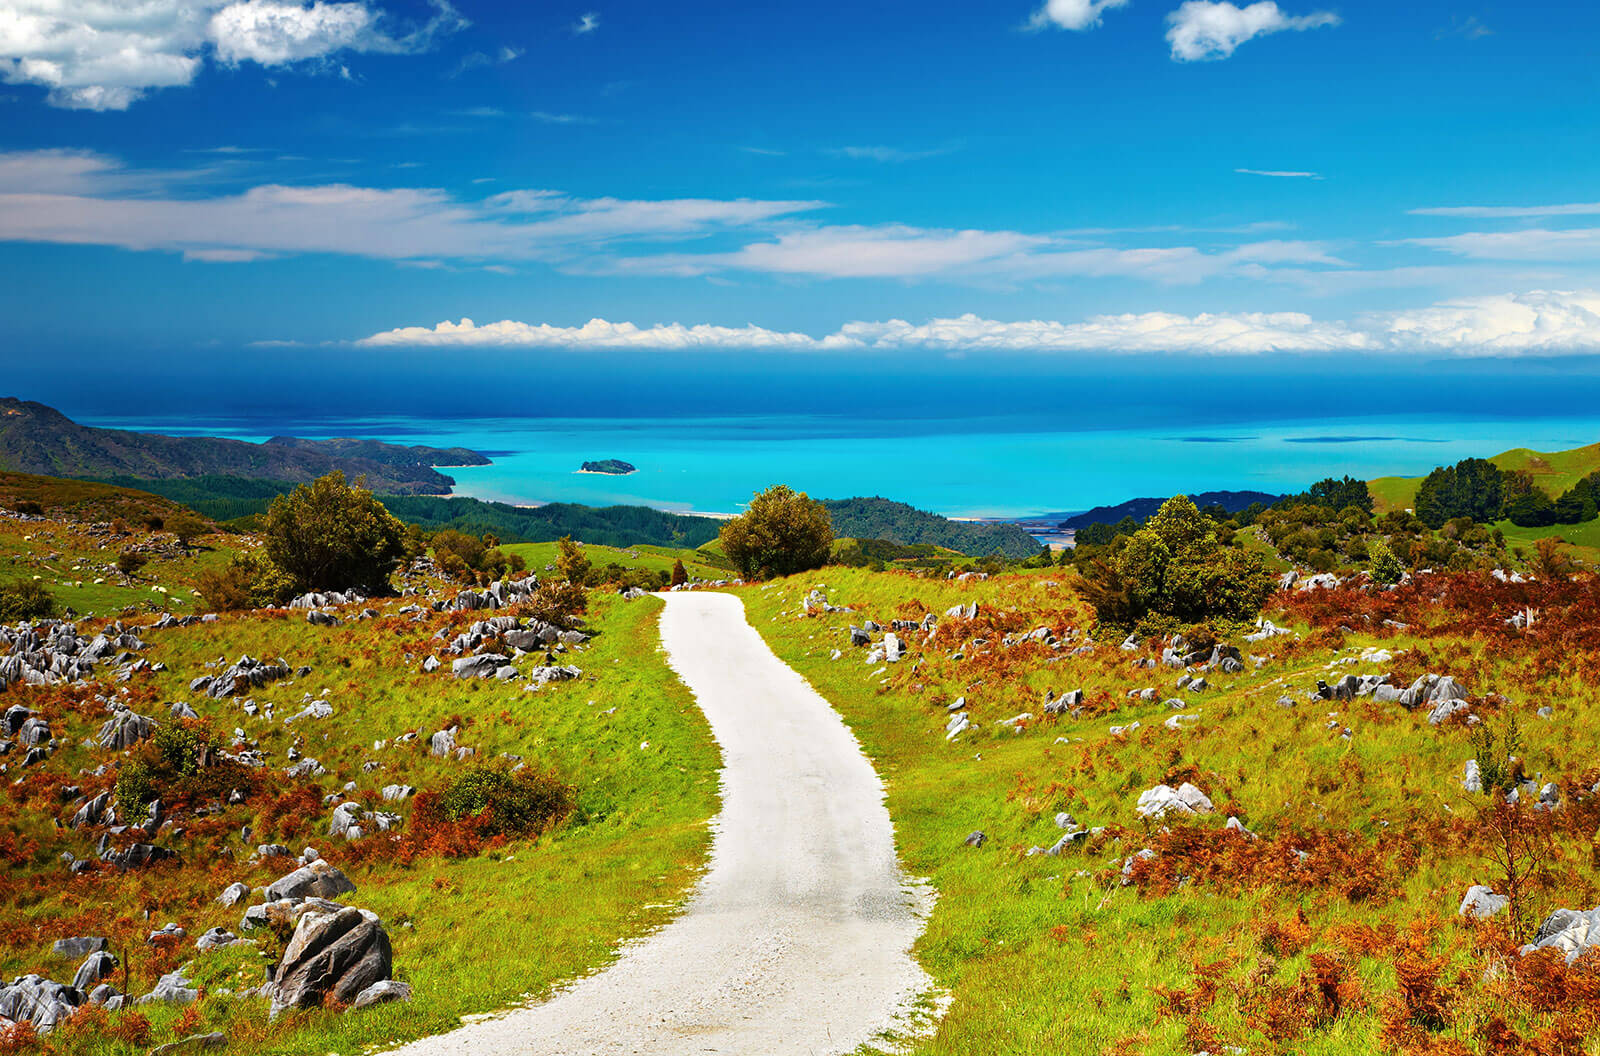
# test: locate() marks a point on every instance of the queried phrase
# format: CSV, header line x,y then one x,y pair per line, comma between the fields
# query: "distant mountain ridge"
x,y
38,439
880,518
1140,509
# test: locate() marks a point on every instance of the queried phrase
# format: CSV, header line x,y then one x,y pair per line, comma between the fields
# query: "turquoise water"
x,y
964,467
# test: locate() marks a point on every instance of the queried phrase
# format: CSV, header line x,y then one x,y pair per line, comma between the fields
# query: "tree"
x,y
1387,568
330,535
1473,487
571,561
187,528
781,532
680,575
1340,494
130,562
1175,571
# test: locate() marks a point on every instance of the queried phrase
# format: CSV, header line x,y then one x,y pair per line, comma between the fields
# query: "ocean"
x,y
961,466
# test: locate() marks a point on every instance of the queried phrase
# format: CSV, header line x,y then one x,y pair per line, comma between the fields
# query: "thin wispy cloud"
x,y
549,118
1285,174
587,23
765,152
1510,212
1207,30
891,155
1471,27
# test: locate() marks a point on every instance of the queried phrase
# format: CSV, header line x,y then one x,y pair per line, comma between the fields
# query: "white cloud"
x,y
886,154
72,197
1497,212
1280,173
1538,321
106,54
588,23
560,119
1535,322
1203,30
1532,244
1072,14
274,34
597,333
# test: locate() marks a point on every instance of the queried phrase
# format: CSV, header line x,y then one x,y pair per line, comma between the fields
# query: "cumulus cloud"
x,y
1203,30
1534,322
1537,321
587,23
1072,14
106,54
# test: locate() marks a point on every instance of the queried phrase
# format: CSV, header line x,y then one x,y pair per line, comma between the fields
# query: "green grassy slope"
x,y
1055,954
471,934
1554,471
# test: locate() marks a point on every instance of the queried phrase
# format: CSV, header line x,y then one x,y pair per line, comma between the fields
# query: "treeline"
x,y
897,522
1333,494
1477,488
245,499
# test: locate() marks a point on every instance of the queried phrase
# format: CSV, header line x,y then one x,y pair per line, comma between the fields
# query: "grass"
x,y
77,563
1583,540
471,934
652,558
1047,954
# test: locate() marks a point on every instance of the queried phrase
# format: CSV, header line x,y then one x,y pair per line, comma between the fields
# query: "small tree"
x,y
130,562
1386,567
187,528
571,561
330,535
680,575
781,532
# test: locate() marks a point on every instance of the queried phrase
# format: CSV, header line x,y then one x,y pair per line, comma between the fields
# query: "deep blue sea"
x,y
964,467
993,436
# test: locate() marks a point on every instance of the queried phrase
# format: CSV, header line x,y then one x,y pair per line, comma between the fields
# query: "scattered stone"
x,y
1570,931
315,879
1481,903
78,946
974,839
1164,799
382,992
233,894
214,1040
172,989
96,967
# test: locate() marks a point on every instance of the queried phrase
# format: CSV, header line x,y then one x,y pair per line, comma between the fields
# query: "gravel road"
x,y
797,938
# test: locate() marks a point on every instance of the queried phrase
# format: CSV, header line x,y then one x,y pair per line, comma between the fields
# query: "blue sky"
x,y
194,179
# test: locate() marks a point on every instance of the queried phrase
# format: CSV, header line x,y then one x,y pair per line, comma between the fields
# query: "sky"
x,y
188,185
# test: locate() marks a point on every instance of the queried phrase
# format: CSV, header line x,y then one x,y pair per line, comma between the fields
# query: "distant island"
x,y
612,466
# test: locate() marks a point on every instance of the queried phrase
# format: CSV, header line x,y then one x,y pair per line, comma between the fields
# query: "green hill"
x,y
1553,471
38,439
880,518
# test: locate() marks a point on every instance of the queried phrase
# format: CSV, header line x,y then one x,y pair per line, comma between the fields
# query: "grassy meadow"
x,y
1220,940
472,932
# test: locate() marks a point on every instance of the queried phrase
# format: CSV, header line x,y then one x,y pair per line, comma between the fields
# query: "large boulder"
x,y
125,728
246,674
1431,689
40,1001
315,879
96,966
78,946
1162,800
331,955
1571,931
173,988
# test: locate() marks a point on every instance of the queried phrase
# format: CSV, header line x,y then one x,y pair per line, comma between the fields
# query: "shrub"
x,y
25,599
184,747
781,532
249,581
330,535
1386,567
557,603
680,575
505,801
571,561
136,788
187,528
29,507
130,562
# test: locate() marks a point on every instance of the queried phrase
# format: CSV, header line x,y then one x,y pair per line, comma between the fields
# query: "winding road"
x,y
797,938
